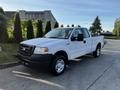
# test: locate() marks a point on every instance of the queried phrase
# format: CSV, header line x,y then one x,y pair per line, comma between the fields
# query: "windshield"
x,y
63,33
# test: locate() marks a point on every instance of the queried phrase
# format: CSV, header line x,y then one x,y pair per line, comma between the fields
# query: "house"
x,y
33,15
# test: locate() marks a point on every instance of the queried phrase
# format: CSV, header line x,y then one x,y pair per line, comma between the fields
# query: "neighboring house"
x,y
33,15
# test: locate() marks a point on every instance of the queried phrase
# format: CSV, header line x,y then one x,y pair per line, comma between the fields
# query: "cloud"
x,y
72,11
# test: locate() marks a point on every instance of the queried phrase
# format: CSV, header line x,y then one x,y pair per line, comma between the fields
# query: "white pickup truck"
x,y
58,47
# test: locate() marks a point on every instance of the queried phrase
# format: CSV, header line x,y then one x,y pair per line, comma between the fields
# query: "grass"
x,y
112,37
8,53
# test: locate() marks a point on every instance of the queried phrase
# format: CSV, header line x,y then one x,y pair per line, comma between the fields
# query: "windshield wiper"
x,y
56,37
52,37
44,37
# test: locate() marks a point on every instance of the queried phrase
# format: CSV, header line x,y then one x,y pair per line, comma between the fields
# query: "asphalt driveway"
x,y
101,73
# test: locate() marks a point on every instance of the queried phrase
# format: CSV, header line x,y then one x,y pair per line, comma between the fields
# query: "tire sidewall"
x,y
98,49
54,62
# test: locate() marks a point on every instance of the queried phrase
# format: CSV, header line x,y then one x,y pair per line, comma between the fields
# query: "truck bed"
x,y
96,40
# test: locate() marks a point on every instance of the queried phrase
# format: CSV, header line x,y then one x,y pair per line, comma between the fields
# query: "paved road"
x,y
89,74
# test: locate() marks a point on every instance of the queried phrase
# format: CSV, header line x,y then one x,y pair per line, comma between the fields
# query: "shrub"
x,y
72,25
3,27
48,27
39,29
68,25
30,33
17,33
62,25
56,25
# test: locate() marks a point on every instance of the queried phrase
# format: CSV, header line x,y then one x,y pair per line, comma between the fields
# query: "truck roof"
x,y
70,28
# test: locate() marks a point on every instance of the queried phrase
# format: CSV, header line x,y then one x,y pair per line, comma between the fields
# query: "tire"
x,y
58,65
97,52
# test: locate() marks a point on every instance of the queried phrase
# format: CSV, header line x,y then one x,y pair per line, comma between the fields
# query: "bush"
x,y
30,33
56,25
17,33
68,25
39,29
3,27
72,25
48,27
62,25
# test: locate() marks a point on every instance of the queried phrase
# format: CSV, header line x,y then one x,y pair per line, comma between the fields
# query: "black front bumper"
x,y
36,59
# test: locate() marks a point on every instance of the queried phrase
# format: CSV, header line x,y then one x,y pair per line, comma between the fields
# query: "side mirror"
x,y
80,37
73,38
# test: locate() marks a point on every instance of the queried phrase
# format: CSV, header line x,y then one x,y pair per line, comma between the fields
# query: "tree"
x,y
24,26
56,25
2,11
17,33
96,26
72,25
3,27
62,25
68,26
30,33
48,27
116,30
39,28
93,31
10,24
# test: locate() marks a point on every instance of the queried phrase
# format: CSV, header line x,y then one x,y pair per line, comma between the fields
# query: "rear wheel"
x,y
97,52
58,65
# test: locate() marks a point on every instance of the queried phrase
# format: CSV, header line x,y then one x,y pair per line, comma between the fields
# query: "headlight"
x,y
41,50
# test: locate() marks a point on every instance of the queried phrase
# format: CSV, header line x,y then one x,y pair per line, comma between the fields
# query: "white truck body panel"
x,y
73,49
96,40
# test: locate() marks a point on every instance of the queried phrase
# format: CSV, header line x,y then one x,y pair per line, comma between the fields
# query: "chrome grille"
x,y
26,50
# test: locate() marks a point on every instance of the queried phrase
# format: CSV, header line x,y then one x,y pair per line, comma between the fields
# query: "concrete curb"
x,y
7,65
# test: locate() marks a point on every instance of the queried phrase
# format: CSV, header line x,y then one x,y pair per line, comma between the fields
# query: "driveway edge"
x,y
7,65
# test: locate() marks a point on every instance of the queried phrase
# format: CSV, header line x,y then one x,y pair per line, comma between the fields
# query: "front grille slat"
x,y
26,50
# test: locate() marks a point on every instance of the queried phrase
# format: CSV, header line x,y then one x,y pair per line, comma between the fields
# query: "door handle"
x,y
84,41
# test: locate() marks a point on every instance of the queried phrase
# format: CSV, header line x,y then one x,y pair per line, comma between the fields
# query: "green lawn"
x,y
8,53
112,37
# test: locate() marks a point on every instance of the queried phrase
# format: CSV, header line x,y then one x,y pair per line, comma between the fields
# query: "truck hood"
x,y
42,41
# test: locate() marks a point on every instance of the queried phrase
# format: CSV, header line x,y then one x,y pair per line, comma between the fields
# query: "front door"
x,y
77,48
87,40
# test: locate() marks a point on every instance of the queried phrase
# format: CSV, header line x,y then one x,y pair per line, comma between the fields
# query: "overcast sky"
x,y
80,12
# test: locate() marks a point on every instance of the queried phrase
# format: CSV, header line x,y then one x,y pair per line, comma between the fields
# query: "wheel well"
x,y
62,53
99,45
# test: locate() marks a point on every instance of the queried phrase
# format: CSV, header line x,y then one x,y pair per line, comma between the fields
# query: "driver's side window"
x,y
76,32
76,35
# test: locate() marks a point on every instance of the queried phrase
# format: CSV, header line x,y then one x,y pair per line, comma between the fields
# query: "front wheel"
x,y
97,52
58,65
